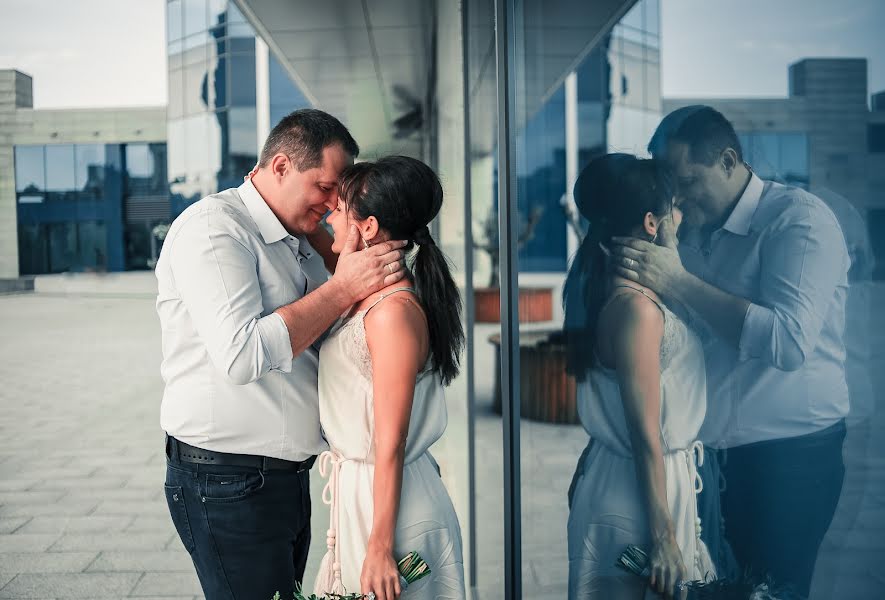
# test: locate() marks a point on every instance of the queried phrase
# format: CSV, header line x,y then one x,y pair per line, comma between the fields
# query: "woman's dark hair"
x,y
614,193
404,195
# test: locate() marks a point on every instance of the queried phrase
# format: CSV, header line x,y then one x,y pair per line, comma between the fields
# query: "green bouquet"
x,y
411,568
635,560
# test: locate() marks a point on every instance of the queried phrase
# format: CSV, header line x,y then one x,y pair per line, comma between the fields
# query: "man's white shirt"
x,y
783,250
232,382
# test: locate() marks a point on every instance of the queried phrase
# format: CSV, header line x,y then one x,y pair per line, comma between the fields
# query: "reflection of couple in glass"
x,y
732,337
250,286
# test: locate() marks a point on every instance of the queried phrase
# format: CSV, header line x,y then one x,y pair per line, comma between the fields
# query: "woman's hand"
x,y
380,574
667,568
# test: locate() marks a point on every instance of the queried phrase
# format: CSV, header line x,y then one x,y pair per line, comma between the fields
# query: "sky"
x,y
91,53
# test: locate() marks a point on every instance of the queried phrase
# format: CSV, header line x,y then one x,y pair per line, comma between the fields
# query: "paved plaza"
x,y
82,510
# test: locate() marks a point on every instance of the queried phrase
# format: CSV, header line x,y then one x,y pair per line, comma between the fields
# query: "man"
x,y
243,297
764,267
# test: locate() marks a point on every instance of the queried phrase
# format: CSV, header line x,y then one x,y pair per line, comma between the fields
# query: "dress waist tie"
x,y
694,458
329,577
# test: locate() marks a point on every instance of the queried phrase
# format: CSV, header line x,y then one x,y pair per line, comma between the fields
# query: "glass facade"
x,y
213,112
547,87
616,102
778,156
89,207
609,101
876,138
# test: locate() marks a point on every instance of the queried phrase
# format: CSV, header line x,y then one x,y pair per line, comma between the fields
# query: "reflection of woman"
x,y
381,376
641,396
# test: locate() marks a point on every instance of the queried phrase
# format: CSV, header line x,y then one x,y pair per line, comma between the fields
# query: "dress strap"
x,y
643,292
390,293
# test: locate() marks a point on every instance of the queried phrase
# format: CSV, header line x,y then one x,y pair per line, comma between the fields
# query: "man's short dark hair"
x,y
303,135
703,129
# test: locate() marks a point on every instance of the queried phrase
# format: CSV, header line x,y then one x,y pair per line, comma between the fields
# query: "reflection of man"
x,y
765,267
242,299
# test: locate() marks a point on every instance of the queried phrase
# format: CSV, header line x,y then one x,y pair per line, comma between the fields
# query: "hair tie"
x,y
422,237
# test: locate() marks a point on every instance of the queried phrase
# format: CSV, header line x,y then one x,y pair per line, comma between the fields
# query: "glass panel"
x,y
146,170
197,41
218,18
876,220
92,241
766,154
241,45
62,247
563,120
173,20
541,185
175,55
140,248
285,96
30,171
242,77
876,138
33,249
801,121
242,125
635,17
488,536
238,27
90,167
196,17
60,175
794,158
175,108
652,17
196,89
196,54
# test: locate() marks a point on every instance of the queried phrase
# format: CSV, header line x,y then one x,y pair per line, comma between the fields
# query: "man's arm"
x,y
357,275
801,265
217,279
724,313
660,268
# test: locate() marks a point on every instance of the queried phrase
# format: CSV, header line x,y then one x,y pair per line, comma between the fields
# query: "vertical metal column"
x,y
469,311
507,224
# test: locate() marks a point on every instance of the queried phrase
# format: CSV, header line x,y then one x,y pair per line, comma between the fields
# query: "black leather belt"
x,y
178,450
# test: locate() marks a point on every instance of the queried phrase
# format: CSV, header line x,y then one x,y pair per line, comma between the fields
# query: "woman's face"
x,y
340,220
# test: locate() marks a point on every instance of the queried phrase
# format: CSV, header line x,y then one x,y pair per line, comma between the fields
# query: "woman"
x,y
381,377
641,396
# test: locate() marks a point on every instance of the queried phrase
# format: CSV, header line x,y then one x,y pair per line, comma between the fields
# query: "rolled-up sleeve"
x,y
802,263
216,276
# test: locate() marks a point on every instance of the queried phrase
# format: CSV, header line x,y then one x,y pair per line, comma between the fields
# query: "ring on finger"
x,y
390,268
629,262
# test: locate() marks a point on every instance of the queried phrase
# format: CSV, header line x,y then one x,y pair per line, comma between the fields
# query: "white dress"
x,y
426,520
607,510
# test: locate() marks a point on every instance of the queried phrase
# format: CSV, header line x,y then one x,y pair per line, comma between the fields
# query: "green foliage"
x,y
412,568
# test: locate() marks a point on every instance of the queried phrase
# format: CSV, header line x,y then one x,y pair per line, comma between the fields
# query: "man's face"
x,y
701,189
308,195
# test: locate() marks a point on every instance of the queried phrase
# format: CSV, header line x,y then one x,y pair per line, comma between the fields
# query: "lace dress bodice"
x,y
347,395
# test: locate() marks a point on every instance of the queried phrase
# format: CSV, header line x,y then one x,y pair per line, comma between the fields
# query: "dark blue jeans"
x,y
247,530
779,500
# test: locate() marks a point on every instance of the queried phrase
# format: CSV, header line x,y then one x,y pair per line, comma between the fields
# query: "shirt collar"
x,y
741,217
270,227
